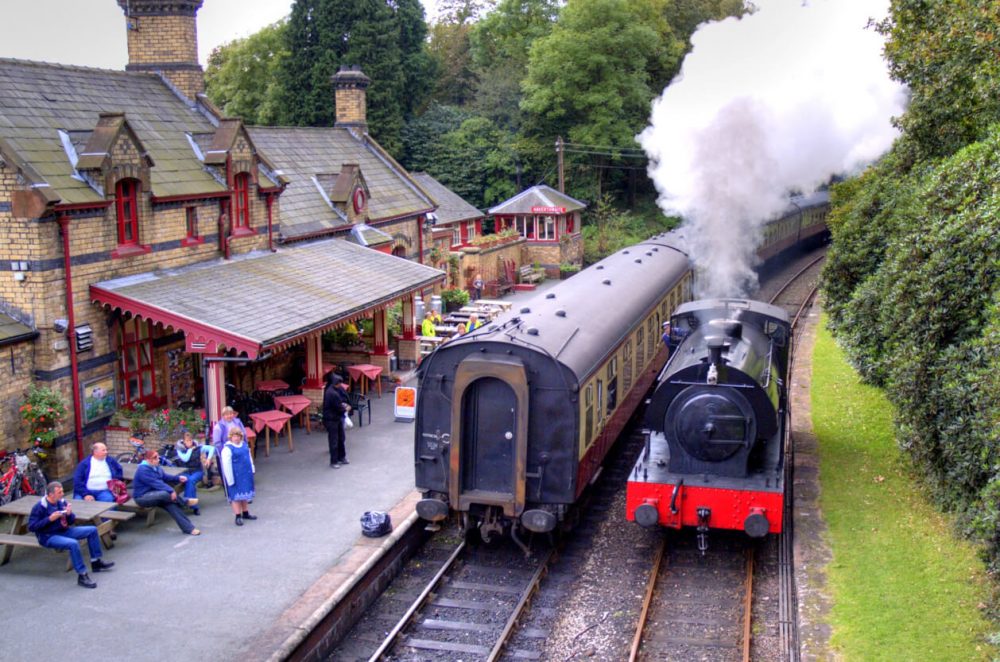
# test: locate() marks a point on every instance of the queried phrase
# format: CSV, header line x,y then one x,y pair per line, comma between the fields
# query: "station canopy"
x,y
267,301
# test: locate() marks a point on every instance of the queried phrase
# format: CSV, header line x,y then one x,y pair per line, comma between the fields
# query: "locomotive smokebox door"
x,y
710,428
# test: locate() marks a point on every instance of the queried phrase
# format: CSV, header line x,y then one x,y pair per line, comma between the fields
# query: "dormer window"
x,y
127,196
127,216
241,212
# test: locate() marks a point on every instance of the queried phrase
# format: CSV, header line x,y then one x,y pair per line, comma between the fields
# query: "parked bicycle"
x,y
168,454
21,476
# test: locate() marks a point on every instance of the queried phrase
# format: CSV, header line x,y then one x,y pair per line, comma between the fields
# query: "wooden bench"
x,y
109,520
428,344
499,287
133,508
527,274
29,540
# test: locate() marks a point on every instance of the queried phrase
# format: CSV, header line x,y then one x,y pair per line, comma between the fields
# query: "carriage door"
x,y
489,423
488,454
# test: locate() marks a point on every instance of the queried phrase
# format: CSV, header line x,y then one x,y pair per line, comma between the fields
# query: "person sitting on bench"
x,y
51,521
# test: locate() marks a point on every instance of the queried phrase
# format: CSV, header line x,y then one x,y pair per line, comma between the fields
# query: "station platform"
x,y
233,593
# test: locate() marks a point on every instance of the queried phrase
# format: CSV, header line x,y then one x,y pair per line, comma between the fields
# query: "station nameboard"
x,y
406,403
548,210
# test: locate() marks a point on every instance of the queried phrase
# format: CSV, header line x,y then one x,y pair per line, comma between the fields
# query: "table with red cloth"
x,y
296,405
362,372
272,385
272,420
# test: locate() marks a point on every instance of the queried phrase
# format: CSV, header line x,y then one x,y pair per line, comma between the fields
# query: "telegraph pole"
x,y
559,158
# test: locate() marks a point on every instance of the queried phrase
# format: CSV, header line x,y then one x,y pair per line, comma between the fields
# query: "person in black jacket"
x,y
51,521
335,407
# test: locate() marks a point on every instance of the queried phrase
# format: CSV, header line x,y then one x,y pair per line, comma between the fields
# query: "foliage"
x,y
42,410
423,148
448,49
947,54
566,268
385,40
902,589
913,289
173,423
606,229
454,297
243,77
345,336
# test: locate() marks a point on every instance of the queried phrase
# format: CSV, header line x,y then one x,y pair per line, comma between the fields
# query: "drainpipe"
x,y
420,239
70,333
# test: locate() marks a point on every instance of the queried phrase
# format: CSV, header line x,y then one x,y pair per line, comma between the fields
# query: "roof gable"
x,y
112,136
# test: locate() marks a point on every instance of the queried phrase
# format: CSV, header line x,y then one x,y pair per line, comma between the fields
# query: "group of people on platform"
x,y
433,319
53,522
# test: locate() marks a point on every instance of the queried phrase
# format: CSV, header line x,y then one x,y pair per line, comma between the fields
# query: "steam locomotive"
x,y
514,420
717,422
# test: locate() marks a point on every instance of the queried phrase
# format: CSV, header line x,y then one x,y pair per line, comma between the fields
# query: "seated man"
x,y
90,480
51,521
150,489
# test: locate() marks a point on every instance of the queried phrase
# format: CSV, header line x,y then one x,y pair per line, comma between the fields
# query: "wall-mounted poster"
x,y
98,397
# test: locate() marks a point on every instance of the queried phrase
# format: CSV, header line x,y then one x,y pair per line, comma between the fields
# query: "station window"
x,y
241,199
192,235
127,208
136,371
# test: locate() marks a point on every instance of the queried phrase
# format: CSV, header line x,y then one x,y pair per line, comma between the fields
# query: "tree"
x,y
382,38
243,77
948,55
589,79
423,136
449,49
499,47
477,162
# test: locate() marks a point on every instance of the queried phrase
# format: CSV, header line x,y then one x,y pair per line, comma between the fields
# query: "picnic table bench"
x,y
528,274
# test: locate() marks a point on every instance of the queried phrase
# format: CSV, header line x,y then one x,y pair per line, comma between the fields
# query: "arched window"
x,y
127,207
241,212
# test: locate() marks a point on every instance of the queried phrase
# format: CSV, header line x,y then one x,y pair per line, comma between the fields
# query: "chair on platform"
x,y
359,404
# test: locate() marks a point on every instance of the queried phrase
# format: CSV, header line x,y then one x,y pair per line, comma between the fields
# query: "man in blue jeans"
x,y
51,521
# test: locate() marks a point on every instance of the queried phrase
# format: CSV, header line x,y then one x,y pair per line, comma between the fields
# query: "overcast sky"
x,y
92,32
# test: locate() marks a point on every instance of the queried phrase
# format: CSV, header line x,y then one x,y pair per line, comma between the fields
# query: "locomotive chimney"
x,y
716,366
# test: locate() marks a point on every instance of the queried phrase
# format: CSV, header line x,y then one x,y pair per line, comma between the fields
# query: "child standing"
x,y
237,472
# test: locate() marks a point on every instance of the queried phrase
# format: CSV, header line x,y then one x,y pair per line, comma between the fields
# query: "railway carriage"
x,y
514,419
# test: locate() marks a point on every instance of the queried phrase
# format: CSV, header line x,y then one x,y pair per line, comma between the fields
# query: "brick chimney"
x,y
163,38
349,86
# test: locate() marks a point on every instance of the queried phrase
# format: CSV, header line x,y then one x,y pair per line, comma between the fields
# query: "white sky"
x,y
92,32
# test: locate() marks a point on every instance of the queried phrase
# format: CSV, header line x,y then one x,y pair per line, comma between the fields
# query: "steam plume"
x,y
769,104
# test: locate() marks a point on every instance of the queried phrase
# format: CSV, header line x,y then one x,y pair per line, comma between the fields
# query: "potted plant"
x,y
454,298
42,410
566,270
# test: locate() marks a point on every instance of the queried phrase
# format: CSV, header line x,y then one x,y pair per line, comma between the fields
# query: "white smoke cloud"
x,y
774,102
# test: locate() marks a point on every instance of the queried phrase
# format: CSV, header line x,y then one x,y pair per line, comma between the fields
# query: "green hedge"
x,y
913,292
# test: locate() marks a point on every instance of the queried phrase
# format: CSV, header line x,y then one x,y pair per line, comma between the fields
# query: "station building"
x,y
154,250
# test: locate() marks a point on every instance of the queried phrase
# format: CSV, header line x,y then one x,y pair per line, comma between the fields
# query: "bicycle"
x,y
168,454
21,477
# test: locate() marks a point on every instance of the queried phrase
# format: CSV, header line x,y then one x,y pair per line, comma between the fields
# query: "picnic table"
x,y
273,419
85,511
272,385
128,475
129,469
296,405
362,372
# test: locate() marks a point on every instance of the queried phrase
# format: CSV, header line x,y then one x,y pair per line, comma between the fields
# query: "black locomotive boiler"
x,y
514,419
717,423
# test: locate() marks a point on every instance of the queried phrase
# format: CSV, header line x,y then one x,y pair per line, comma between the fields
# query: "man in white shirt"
x,y
90,480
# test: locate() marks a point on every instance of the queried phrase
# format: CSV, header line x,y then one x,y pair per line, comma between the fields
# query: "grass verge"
x,y
903,587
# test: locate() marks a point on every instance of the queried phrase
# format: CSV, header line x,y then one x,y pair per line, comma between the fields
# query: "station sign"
x,y
405,404
548,210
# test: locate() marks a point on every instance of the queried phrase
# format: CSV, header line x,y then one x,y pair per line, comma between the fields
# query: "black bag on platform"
x,y
375,524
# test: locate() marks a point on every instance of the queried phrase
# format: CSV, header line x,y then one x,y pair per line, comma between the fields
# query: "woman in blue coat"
x,y
237,472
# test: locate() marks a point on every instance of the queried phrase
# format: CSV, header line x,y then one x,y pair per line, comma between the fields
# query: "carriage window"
x,y
627,360
588,423
612,384
600,400
651,337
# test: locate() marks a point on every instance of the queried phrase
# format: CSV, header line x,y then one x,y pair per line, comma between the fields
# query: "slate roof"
x,y
452,208
537,196
265,300
39,99
303,154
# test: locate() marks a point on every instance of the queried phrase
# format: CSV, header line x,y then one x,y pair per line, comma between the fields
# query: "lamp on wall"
x,y
430,220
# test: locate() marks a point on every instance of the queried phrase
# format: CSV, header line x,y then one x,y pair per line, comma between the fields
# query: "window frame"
x,y
240,207
145,364
192,233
